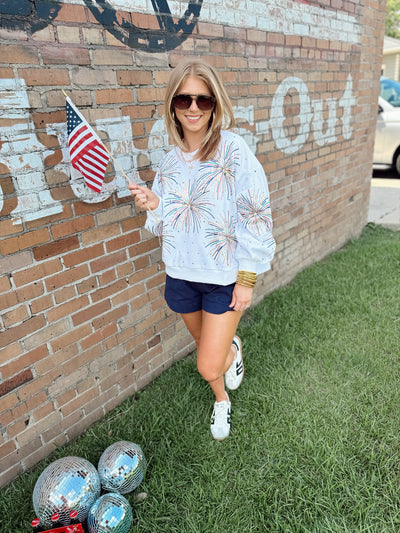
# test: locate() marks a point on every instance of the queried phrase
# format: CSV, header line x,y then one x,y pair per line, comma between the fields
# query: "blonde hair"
x,y
221,117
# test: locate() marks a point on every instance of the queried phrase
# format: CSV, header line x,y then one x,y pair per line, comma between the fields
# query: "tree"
x,y
393,19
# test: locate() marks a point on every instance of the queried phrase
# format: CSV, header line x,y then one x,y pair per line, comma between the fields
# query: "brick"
x,y
66,309
19,54
72,226
44,76
64,294
84,255
41,304
57,359
5,284
56,248
144,247
110,317
7,448
15,316
10,472
37,399
26,240
68,277
149,94
98,336
112,57
68,34
93,35
26,360
79,402
139,111
38,272
110,260
53,55
10,351
114,96
47,334
28,292
89,313
66,397
24,329
134,77
15,382
6,73
71,13
123,241
100,234
34,455
33,431
89,77
108,291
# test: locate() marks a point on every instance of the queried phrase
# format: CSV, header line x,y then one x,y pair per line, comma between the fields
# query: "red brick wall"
x,y
83,320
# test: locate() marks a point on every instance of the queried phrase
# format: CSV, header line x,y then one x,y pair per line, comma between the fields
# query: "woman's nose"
x,y
193,105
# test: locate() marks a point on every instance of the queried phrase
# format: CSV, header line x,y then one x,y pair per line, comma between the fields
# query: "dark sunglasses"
x,y
184,101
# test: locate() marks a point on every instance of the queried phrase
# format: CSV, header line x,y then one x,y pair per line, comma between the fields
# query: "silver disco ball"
x,y
122,467
111,513
68,484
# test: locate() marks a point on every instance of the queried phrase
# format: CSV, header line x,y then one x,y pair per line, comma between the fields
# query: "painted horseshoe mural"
x,y
20,15
24,13
170,35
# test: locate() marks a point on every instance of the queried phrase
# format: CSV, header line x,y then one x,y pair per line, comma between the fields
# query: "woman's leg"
x,y
193,322
215,354
213,335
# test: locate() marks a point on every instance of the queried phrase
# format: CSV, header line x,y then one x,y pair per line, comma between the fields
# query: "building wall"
x,y
390,66
83,320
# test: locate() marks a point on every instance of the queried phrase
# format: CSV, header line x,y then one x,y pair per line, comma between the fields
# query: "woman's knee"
x,y
210,372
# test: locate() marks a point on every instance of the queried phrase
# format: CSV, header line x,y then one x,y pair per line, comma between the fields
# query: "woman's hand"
x,y
241,297
144,197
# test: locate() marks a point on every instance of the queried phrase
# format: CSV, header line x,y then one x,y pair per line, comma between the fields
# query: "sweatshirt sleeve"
x,y
255,243
154,219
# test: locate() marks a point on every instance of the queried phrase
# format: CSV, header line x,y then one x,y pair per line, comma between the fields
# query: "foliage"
x,y
393,19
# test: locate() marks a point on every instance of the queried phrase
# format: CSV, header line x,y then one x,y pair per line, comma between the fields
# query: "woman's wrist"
x,y
246,278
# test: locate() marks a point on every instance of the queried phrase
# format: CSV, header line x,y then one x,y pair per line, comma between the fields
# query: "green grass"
x,y
315,442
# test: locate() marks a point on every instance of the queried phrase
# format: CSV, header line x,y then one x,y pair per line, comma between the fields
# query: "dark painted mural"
x,y
34,15
27,14
169,36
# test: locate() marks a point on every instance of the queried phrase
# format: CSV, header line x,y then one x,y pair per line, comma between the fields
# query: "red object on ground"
x,y
76,528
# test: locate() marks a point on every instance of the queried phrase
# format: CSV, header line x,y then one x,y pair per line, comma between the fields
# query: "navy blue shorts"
x,y
189,296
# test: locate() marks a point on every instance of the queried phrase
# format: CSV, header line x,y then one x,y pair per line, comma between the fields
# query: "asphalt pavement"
x,y
384,205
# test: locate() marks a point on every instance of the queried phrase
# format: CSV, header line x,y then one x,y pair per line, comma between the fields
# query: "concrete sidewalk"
x,y
384,207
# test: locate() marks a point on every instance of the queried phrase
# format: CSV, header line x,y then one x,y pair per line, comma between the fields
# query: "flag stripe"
x,y
90,154
88,175
86,164
89,164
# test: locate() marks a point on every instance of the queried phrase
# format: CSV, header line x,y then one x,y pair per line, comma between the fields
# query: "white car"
x,y
387,136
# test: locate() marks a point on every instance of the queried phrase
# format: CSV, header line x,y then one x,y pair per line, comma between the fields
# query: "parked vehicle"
x,y
390,91
387,136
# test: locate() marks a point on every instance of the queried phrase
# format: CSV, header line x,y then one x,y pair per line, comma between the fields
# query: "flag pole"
x,y
119,168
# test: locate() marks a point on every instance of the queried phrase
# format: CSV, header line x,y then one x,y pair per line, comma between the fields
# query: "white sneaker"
x,y
221,420
234,375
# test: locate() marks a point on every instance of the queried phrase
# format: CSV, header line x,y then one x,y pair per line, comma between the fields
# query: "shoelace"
x,y
220,409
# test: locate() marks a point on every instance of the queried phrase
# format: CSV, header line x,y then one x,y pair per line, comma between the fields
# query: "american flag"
x,y
88,154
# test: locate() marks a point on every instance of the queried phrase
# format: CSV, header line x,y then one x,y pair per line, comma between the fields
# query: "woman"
x,y
210,204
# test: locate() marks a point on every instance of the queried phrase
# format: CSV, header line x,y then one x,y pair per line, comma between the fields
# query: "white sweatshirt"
x,y
215,216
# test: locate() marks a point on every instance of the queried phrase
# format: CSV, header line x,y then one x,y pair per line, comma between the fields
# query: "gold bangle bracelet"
x,y
245,284
246,279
